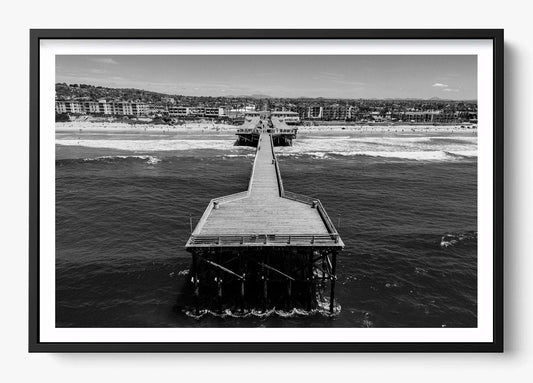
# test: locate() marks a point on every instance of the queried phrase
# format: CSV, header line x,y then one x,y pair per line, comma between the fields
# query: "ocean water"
x,y
407,205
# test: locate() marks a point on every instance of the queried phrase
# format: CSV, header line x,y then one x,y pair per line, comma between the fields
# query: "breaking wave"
x,y
151,160
418,148
292,313
456,239
407,148
150,145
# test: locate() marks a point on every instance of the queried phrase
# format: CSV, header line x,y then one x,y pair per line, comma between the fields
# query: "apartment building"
x,y
287,116
121,108
179,111
314,112
334,112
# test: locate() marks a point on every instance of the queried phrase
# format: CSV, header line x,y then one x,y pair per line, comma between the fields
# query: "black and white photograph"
x,y
288,191
277,192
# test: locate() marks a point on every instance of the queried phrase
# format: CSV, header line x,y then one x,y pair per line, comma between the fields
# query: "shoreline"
x,y
213,128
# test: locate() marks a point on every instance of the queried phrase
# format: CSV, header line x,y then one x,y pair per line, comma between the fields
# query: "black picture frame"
x,y
495,35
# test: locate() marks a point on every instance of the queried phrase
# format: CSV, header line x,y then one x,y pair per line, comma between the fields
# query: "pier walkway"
x,y
265,214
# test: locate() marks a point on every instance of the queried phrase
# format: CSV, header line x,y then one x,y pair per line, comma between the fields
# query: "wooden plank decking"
x,y
263,215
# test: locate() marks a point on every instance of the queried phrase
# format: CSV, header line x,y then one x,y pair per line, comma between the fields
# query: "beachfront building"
x,y
105,107
179,111
198,111
61,107
212,112
334,112
223,111
91,107
120,108
128,108
157,109
251,114
314,112
184,111
428,117
71,107
353,113
287,116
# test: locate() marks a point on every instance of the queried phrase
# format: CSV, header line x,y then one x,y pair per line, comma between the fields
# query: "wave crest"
x,y
456,239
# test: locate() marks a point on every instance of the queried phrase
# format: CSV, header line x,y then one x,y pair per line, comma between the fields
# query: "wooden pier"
x,y
264,235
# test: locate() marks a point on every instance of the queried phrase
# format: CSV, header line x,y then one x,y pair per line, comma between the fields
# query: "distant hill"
x,y
91,92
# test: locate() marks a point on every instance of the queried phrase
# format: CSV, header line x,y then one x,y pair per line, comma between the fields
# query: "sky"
x,y
340,76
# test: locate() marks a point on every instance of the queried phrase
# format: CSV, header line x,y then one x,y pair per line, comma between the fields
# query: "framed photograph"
x,y
266,191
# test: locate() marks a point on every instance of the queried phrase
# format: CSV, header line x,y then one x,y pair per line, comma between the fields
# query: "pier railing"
x,y
231,197
278,172
265,239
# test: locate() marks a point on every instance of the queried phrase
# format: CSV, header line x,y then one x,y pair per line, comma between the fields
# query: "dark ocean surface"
x,y
408,217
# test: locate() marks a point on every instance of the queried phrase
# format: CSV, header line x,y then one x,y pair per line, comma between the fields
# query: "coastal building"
x,y
71,107
334,112
353,113
315,112
223,111
121,108
105,107
179,111
139,108
427,117
61,107
157,109
90,107
287,116
212,112
198,111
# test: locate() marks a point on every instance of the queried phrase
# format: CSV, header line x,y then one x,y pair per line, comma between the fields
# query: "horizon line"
x,y
277,97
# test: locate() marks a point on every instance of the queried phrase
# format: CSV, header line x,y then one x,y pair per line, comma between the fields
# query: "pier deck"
x,y
265,215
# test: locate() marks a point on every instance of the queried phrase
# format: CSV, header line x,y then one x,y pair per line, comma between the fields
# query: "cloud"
x,y
439,85
450,90
104,60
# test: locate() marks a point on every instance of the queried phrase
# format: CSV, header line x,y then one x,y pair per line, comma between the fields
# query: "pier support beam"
x,y
219,284
333,278
264,275
243,273
289,281
310,281
324,268
195,281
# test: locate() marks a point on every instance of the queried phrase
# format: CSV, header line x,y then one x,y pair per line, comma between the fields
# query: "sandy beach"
x,y
206,127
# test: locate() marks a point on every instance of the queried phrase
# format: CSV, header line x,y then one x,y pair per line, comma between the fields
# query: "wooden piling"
x,y
243,274
196,284
219,283
310,282
333,278
265,283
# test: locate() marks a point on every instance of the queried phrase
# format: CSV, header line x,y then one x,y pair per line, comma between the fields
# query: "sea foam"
x,y
419,148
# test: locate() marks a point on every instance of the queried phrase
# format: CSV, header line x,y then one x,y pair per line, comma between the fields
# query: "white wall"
x,y
513,15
